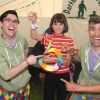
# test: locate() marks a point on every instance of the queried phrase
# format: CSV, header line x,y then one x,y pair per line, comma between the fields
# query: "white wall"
x,y
78,30
25,26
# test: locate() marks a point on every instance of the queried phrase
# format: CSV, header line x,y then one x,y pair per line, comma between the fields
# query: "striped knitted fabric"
x,y
21,94
57,42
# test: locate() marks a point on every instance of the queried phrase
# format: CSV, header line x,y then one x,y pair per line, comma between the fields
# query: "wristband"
x,y
34,26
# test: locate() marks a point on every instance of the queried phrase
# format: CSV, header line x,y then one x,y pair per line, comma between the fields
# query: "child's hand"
x,y
67,59
32,16
73,51
65,48
47,59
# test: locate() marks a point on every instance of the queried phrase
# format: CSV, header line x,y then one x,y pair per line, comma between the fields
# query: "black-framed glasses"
x,y
11,21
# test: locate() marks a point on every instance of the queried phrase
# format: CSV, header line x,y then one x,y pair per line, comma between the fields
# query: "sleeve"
x,y
37,65
26,46
80,77
4,67
71,43
24,42
44,39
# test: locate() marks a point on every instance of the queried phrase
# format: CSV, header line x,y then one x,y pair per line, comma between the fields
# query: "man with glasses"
x,y
8,20
14,75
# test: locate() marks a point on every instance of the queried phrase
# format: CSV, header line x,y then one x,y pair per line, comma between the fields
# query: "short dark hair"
x,y
59,17
94,19
4,15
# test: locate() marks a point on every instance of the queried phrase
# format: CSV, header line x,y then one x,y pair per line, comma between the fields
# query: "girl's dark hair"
x,y
59,18
94,19
4,15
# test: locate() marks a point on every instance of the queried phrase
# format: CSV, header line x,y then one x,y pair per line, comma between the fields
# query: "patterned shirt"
x,y
57,42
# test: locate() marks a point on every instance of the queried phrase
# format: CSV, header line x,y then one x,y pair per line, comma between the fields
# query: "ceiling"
x,y
44,8
4,2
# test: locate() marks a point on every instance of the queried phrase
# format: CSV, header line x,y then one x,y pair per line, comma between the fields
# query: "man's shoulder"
x,y
86,45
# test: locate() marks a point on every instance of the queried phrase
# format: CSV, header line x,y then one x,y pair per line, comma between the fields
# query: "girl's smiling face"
x,y
58,28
